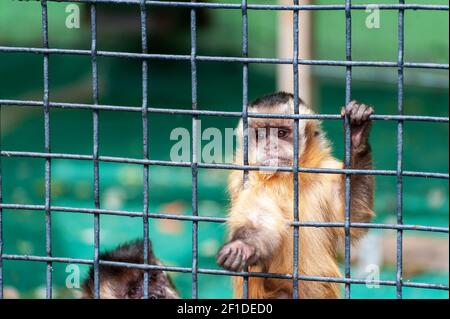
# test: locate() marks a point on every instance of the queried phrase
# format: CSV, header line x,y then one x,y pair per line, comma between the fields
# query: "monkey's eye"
x,y
282,133
154,276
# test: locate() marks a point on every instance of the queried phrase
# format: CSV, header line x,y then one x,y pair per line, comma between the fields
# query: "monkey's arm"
x,y
256,227
361,185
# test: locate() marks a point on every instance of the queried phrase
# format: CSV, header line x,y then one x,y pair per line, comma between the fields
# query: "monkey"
x,y
128,283
261,212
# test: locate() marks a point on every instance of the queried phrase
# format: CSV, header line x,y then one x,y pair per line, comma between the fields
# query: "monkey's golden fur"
x,y
321,199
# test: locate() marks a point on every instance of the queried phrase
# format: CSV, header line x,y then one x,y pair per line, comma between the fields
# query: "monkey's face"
x,y
271,143
159,287
271,140
130,285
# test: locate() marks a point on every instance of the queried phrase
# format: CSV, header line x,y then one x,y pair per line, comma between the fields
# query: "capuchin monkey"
x,y
128,283
260,234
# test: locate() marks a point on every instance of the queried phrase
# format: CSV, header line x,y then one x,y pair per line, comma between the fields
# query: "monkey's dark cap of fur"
x,y
274,99
126,282
131,252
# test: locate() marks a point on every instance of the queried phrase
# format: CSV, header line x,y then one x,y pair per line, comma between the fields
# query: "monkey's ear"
x,y
312,129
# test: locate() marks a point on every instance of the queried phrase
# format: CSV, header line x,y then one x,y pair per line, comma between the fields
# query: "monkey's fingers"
x,y
367,113
350,107
357,117
231,258
237,263
358,113
223,255
362,114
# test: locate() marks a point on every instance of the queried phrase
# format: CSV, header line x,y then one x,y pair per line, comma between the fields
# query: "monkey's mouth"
x,y
276,162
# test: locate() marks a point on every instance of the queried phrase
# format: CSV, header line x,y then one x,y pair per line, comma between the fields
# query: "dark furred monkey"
x,y
127,283
260,235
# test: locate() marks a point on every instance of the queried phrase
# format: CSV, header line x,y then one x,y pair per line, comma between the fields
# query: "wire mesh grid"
x,y
195,164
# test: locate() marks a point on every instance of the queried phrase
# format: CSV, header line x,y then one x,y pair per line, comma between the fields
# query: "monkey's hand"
x,y
236,255
359,122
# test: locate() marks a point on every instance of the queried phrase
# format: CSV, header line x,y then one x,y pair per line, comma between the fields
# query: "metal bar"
x,y
182,217
245,113
295,233
195,159
175,57
191,5
95,154
399,262
127,160
220,272
348,83
47,191
173,111
145,151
